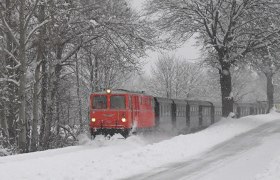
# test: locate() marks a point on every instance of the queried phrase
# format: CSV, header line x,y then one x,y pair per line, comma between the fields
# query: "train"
x,y
125,112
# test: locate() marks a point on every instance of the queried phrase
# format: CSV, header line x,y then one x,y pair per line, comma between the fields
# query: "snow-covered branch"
x,y
34,29
9,80
13,57
30,15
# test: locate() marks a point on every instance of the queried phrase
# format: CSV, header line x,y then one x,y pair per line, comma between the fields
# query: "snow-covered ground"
x,y
118,158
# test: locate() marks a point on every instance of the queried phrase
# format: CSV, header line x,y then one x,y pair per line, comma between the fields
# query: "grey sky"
x,y
188,51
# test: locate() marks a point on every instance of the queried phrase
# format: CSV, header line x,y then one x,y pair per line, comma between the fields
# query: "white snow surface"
x,y
119,158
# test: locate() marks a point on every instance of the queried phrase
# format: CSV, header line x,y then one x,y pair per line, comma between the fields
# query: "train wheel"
x,y
125,133
108,137
92,134
92,137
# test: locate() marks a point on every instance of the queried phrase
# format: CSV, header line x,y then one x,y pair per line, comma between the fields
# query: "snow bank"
x,y
118,158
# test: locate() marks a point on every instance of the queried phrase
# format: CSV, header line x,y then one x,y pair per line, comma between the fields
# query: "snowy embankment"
x,y
118,158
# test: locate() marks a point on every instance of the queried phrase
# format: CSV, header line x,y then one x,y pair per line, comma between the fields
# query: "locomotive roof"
x,y
121,91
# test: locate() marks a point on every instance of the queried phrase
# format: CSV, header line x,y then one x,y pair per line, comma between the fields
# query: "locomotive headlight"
x,y
123,119
93,119
108,91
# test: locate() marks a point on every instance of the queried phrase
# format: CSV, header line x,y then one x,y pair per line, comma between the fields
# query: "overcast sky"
x,y
188,51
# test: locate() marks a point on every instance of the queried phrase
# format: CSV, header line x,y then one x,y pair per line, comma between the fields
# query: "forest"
x,y
54,53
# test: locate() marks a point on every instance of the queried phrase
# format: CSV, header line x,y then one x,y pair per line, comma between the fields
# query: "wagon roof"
x,y
203,103
161,99
179,101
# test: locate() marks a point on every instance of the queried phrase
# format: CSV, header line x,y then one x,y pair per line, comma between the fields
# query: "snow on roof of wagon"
x,y
163,100
179,101
203,103
183,101
120,91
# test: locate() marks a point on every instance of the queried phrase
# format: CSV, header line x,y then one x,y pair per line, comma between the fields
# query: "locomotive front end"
x,y
110,114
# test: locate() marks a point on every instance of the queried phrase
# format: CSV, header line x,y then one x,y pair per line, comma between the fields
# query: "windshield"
x,y
117,102
99,102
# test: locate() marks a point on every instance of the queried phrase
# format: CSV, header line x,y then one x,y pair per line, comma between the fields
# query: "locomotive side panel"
x,y
146,112
135,111
143,115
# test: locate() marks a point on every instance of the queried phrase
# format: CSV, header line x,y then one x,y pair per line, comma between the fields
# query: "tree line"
x,y
179,78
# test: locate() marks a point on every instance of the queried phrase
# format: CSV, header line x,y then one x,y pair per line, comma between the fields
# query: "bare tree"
x,y
176,78
164,74
79,95
246,84
266,60
225,27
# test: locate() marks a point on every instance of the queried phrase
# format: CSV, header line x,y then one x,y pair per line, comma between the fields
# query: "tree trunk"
x,y
4,125
34,134
50,95
40,57
44,94
54,103
58,68
78,95
68,110
44,87
12,89
226,88
92,84
22,74
269,91
54,100
96,86
3,102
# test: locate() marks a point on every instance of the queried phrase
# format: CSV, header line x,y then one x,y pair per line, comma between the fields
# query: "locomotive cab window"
x,y
99,102
117,102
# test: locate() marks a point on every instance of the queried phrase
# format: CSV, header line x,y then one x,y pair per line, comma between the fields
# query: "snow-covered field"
x,y
118,158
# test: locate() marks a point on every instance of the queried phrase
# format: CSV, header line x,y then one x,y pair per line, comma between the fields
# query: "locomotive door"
x,y
131,107
135,109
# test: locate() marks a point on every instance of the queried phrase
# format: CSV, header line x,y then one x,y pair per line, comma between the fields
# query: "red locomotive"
x,y
120,111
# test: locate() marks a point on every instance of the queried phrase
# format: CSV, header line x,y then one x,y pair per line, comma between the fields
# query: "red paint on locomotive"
x,y
120,111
